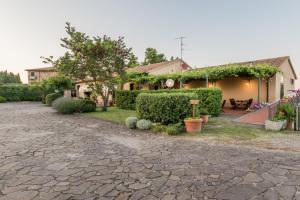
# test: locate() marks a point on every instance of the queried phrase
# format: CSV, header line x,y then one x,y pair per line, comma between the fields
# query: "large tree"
x,y
133,61
9,77
152,56
100,61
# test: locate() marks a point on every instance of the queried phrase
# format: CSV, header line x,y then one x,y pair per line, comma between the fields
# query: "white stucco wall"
x,y
287,74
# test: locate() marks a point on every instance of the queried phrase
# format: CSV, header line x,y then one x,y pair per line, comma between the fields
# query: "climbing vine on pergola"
x,y
262,71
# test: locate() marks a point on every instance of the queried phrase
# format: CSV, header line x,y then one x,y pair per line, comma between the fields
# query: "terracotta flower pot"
x,y
205,118
193,125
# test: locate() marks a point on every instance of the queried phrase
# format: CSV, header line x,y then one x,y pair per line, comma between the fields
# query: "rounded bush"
x,y
87,105
144,124
65,105
131,122
51,97
2,99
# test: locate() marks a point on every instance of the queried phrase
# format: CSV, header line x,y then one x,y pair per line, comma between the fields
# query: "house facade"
x,y
166,67
238,88
243,88
36,75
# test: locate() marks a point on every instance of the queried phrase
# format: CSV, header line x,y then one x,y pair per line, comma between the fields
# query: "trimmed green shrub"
x,y
2,99
130,122
165,108
87,105
210,99
66,105
51,97
125,99
21,92
158,128
172,130
175,129
144,124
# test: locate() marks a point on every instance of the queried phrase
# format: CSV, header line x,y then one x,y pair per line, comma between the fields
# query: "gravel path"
x,y
44,155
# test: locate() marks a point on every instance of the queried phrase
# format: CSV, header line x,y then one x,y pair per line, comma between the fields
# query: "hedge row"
x,y
21,92
210,99
125,99
165,108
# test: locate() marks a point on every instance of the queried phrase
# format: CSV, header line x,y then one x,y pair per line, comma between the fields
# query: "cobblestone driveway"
x,y
44,155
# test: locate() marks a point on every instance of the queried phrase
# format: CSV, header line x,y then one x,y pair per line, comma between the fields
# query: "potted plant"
x,y
288,112
204,115
193,124
276,124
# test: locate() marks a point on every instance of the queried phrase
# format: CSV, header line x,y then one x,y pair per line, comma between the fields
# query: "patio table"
x,y
241,103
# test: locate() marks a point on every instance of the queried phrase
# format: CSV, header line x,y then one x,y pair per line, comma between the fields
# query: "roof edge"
x,y
292,67
41,69
170,62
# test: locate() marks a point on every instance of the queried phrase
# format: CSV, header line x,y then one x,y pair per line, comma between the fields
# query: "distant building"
x,y
36,75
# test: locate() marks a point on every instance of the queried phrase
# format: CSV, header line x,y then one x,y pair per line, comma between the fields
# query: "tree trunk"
x,y
105,102
121,86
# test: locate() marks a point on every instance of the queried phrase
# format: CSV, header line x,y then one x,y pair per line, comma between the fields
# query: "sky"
x,y
216,31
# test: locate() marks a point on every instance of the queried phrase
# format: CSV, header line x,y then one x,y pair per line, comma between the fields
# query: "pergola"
x,y
259,72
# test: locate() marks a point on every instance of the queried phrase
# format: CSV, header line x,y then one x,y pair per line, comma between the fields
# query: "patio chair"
x,y
249,103
233,104
223,104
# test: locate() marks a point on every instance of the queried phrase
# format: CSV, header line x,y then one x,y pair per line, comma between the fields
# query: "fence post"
x,y
258,92
297,119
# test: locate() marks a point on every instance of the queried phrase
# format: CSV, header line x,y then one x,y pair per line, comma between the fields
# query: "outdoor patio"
x,y
233,112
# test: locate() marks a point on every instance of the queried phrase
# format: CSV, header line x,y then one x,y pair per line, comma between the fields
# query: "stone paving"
x,y
46,156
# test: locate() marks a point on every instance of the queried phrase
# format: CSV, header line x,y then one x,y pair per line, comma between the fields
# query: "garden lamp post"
x,y
258,90
170,83
194,103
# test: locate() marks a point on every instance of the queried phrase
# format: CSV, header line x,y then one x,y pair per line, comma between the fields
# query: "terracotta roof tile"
x,y
41,69
276,62
147,68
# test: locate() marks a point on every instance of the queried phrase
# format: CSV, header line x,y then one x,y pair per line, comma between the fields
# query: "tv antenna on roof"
x,y
181,45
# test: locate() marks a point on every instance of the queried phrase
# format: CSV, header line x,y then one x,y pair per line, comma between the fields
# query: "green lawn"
x,y
223,128
217,127
113,114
